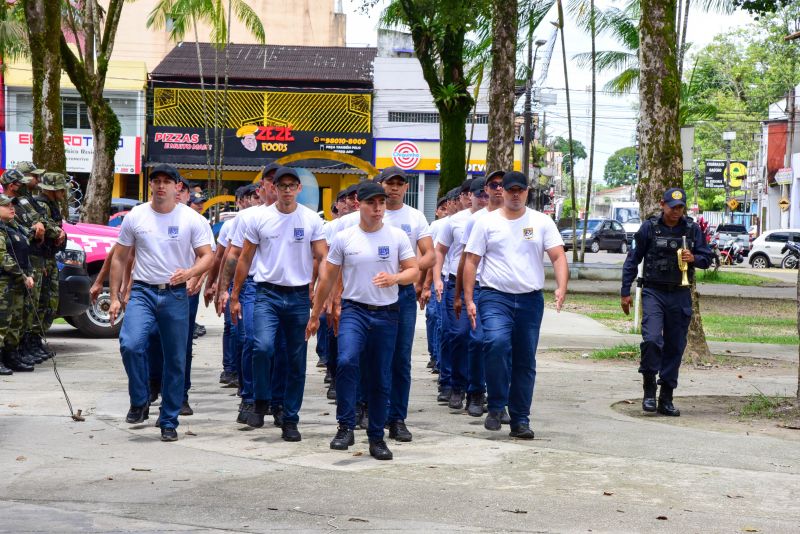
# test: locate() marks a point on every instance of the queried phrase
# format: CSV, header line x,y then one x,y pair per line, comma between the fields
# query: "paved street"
x,y
590,468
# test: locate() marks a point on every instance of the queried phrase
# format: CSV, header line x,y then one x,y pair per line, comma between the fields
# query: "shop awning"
x,y
315,170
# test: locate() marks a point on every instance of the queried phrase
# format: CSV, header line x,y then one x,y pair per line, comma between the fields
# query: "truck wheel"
x,y
94,321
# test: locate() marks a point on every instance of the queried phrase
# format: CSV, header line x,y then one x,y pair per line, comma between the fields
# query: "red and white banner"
x,y
79,149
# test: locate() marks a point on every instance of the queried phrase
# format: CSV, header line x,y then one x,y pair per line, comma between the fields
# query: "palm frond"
x,y
608,60
623,83
252,22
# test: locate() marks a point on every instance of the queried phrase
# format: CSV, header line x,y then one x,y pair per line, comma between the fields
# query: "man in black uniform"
x,y
666,304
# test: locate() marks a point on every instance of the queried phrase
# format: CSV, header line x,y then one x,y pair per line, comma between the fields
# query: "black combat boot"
x,y
665,405
33,349
42,344
12,360
25,355
649,400
5,371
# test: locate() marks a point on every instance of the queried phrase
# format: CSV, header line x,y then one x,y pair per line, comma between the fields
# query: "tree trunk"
x,y
204,103
660,165
500,149
43,20
106,131
452,148
591,135
797,404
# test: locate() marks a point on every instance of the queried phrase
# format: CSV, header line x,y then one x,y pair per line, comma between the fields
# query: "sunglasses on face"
x,y
494,186
482,194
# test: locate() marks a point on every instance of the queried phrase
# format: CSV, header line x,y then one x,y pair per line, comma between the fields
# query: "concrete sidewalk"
x,y
590,467
782,291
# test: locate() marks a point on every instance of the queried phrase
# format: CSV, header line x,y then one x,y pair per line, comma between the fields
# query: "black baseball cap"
x,y
514,179
272,167
476,186
441,201
351,190
197,198
282,172
391,172
167,170
492,174
367,190
675,196
341,194
465,185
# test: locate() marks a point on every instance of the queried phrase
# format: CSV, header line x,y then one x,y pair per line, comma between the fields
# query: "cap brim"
x,y
673,203
372,195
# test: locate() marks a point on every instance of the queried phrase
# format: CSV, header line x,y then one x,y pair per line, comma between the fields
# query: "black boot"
x,y
665,405
25,356
649,400
33,350
255,419
39,342
12,360
5,371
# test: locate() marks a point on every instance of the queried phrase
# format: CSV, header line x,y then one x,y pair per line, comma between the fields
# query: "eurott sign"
x,y
79,150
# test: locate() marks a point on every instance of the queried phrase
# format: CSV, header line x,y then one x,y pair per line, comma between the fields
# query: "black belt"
x,y
282,289
452,278
160,286
371,307
662,287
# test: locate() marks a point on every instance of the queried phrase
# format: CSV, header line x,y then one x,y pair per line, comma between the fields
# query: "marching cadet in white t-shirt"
x,y
173,245
282,241
512,241
373,258
415,225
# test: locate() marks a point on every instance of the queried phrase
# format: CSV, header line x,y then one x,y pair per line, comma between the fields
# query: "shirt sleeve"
x,y
126,237
330,231
236,233
702,252
404,249
445,235
635,256
222,238
424,227
250,232
336,253
552,237
477,239
467,230
201,232
317,229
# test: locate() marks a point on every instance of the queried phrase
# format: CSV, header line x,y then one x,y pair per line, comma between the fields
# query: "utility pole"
x,y
728,137
526,144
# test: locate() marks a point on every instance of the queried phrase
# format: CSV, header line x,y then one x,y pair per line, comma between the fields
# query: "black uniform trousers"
x,y
666,315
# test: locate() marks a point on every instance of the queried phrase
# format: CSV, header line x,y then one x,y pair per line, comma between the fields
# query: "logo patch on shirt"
x,y
383,253
299,233
527,233
406,228
172,232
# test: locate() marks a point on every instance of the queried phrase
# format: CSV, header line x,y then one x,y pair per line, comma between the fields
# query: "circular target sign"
x,y
406,155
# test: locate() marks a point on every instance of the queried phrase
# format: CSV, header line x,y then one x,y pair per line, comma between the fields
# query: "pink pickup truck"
x,y
95,241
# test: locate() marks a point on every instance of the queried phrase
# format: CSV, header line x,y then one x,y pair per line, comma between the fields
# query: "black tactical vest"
x,y
17,246
49,247
661,255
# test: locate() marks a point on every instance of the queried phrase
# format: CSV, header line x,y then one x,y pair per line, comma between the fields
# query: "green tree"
x,y
562,145
43,22
621,168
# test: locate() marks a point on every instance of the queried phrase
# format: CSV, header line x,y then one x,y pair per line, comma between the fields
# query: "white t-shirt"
x,y
336,226
283,254
409,220
436,227
513,250
224,236
164,242
362,255
450,236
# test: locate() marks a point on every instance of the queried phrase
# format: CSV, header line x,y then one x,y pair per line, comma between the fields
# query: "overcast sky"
x,y
615,115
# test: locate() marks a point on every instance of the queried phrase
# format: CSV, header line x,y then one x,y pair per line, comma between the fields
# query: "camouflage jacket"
x,y
11,235
32,210
52,223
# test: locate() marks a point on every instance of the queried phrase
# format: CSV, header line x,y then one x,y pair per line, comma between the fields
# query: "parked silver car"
x,y
766,250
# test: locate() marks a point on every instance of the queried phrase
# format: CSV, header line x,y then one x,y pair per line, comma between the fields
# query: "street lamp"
x,y
526,146
728,137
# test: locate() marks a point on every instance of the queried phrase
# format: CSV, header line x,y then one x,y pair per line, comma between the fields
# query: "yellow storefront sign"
x,y
414,155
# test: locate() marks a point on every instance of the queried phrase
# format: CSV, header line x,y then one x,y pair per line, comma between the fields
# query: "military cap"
x,y
54,181
28,167
11,176
272,167
283,172
4,200
391,172
197,198
166,170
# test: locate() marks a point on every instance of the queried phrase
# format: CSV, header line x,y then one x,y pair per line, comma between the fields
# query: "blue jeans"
x,y
167,310
322,339
431,328
288,312
511,326
401,359
194,304
457,332
230,344
367,342
245,331
475,350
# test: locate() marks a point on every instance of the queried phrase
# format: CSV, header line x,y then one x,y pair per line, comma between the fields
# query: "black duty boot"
x,y
244,411
504,417
343,439
399,431
456,401
186,409
379,450
138,414
492,421
665,405
255,418
277,415
289,432
444,395
32,350
649,400
331,395
12,360
475,405
328,377
5,371
39,342
24,355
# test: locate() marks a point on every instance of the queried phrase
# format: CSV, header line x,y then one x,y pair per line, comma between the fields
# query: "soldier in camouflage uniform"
x,y
54,189
32,214
15,282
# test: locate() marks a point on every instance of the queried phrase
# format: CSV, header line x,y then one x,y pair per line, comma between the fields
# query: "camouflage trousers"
x,y
32,322
12,316
48,297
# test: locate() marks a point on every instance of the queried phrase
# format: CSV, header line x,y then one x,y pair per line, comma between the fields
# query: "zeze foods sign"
x,y
79,149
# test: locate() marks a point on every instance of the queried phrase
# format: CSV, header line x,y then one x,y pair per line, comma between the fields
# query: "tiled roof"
x,y
273,63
